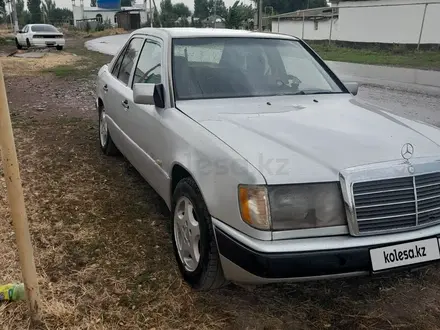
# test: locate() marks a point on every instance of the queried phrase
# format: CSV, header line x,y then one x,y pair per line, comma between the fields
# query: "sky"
x,y
189,3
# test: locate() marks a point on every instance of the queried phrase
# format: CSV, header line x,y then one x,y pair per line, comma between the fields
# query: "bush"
x,y
99,27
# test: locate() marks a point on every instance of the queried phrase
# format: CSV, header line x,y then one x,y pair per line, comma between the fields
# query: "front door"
x,y
144,121
21,37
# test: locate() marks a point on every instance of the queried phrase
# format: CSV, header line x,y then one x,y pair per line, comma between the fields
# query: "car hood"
x,y
310,138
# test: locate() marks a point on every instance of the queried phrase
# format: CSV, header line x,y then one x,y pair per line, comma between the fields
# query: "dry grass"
x,y
15,66
94,34
103,251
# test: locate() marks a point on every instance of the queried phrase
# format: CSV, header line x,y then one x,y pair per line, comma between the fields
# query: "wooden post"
x,y
16,203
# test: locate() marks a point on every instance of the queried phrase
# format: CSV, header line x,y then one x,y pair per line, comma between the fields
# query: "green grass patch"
x,y
63,70
397,56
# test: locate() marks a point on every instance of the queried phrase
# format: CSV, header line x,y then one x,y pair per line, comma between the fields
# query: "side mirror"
x,y
352,87
20,31
149,94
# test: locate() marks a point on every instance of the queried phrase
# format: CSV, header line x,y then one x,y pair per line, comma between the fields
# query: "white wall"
x,y
392,24
80,13
294,28
431,27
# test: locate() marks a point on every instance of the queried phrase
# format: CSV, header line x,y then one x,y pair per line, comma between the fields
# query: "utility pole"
x,y
151,15
14,16
260,15
215,14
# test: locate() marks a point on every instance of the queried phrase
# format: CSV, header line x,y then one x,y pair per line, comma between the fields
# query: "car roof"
x,y
40,24
210,32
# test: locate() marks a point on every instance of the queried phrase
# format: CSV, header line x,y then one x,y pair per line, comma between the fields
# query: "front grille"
x,y
399,203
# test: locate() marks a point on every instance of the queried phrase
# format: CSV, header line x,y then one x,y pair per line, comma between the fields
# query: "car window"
x,y
128,59
244,67
148,69
117,65
203,53
44,28
26,28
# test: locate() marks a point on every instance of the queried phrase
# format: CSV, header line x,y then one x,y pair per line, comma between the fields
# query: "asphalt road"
x,y
407,92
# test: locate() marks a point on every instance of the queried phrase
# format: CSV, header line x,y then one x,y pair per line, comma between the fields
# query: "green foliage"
x,y
201,9
3,15
34,7
170,14
397,55
181,10
126,3
219,8
286,6
101,26
206,8
238,15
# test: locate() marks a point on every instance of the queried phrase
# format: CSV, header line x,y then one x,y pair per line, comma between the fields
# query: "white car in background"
x,y
39,35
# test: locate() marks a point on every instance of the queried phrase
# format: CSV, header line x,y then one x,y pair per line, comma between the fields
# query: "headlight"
x,y
306,206
254,206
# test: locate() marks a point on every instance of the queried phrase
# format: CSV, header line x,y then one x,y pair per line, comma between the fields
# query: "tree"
x,y
48,7
201,9
92,3
34,7
181,10
167,16
23,16
3,9
238,14
286,6
219,8
126,3
62,15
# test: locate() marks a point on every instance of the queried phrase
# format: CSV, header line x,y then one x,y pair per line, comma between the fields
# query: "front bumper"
x,y
242,262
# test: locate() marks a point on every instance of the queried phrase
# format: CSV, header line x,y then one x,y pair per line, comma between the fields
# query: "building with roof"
x,y
109,12
366,21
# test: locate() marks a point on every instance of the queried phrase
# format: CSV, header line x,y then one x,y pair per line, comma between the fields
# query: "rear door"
x,y
118,93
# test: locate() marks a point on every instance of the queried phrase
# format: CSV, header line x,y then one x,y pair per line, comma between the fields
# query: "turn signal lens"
x,y
254,206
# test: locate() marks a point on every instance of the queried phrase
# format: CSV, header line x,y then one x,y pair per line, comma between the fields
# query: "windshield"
x,y
243,67
43,28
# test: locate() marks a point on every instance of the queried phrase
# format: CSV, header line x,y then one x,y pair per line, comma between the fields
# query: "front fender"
x,y
216,168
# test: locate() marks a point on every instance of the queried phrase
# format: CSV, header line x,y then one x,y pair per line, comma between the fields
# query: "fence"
x,y
366,22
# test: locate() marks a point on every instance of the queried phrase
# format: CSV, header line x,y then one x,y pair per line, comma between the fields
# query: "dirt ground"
x,y
104,255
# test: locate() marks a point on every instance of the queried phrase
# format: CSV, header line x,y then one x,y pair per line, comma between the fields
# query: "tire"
x,y
206,273
18,44
105,140
59,47
28,44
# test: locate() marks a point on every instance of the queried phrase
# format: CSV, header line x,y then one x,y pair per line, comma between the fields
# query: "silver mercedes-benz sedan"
x,y
272,169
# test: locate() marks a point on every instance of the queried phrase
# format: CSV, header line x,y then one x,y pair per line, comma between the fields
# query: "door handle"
x,y
125,104
105,88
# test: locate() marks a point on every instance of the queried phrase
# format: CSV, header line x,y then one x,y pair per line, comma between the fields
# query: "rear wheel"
x,y
59,47
18,44
105,140
193,238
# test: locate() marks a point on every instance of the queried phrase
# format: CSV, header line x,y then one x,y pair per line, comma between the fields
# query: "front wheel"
x,y
193,238
105,140
28,43
18,44
59,47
